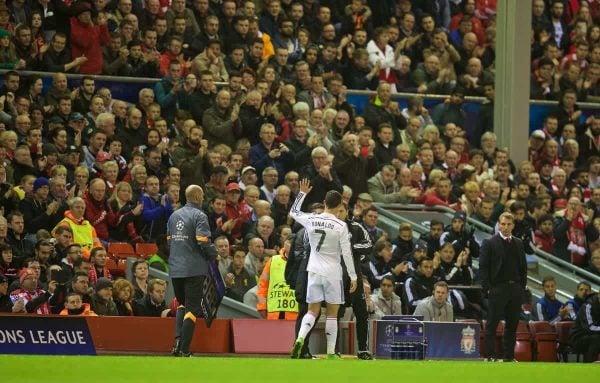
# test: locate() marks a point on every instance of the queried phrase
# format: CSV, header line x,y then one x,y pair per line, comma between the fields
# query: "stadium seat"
x,y
116,266
120,250
545,341
523,348
563,331
146,250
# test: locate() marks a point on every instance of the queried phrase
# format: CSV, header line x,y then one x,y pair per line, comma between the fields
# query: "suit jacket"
x,y
491,258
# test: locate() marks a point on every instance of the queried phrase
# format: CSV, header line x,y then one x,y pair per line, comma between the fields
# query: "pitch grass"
x,y
155,369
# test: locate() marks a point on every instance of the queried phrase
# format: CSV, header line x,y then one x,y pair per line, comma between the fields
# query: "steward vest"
x,y
82,234
157,259
280,297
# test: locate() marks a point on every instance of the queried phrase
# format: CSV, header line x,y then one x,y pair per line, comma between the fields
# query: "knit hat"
x,y
4,33
40,182
76,116
103,283
460,215
26,273
420,245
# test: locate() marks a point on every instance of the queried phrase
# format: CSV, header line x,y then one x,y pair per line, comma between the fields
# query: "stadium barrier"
x,y
54,335
127,89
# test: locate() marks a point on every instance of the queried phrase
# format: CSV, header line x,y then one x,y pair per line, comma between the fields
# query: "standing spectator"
x,y
503,272
58,57
221,121
269,153
157,210
87,39
97,210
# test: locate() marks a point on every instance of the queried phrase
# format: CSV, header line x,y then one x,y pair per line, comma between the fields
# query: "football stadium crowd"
x,y
80,170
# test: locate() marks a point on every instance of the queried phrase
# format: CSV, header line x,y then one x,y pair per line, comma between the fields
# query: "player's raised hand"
x,y
305,186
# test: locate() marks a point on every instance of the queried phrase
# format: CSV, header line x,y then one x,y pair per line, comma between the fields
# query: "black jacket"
x,y
492,256
145,308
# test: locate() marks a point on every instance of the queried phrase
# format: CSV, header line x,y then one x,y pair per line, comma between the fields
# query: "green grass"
x,y
151,369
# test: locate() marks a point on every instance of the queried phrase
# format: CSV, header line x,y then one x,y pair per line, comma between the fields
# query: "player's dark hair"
x,y
333,199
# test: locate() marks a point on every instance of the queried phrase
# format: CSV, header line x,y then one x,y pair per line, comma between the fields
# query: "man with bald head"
x,y
189,236
221,122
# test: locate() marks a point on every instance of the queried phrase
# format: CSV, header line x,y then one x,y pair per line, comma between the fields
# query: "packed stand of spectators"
x,y
79,169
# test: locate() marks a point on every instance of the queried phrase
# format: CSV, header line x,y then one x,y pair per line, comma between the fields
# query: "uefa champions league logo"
x,y
179,225
389,330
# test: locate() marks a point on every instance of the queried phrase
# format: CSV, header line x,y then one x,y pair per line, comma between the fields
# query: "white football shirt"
x,y
329,238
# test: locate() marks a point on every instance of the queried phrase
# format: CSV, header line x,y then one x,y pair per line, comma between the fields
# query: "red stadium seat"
x,y
523,349
545,341
146,250
120,250
116,266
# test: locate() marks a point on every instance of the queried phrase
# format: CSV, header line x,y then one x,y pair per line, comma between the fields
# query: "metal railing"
x,y
351,92
485,228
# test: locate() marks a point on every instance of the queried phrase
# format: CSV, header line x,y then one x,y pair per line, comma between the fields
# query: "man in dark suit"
x,y
504,277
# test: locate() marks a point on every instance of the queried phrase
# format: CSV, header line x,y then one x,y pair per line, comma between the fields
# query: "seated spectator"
x,y
461,235
419,285
102,302
594,267
6,304
99,268
380,265
8,268
139,270
75,306
432,238
123,297
574,304
385,301
80,284
585,335
238,279
403,243
29,297
84,233
442,195
436,308
255,258
153,303
453,267
549,308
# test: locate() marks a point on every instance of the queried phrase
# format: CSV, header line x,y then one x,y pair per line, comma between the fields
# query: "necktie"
x,y
508,240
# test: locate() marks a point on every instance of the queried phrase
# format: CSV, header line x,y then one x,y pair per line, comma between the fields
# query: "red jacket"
x,y
242,213
87,40
100,216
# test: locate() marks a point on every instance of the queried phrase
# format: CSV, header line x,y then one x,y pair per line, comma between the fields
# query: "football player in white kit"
x,y
329,238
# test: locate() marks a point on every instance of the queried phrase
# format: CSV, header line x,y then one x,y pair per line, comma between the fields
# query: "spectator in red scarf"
x,y
33,299
570,233
97,210
98,270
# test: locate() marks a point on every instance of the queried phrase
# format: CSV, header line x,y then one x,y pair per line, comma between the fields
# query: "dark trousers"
x,y
589,346
504,303
358,303
189,293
